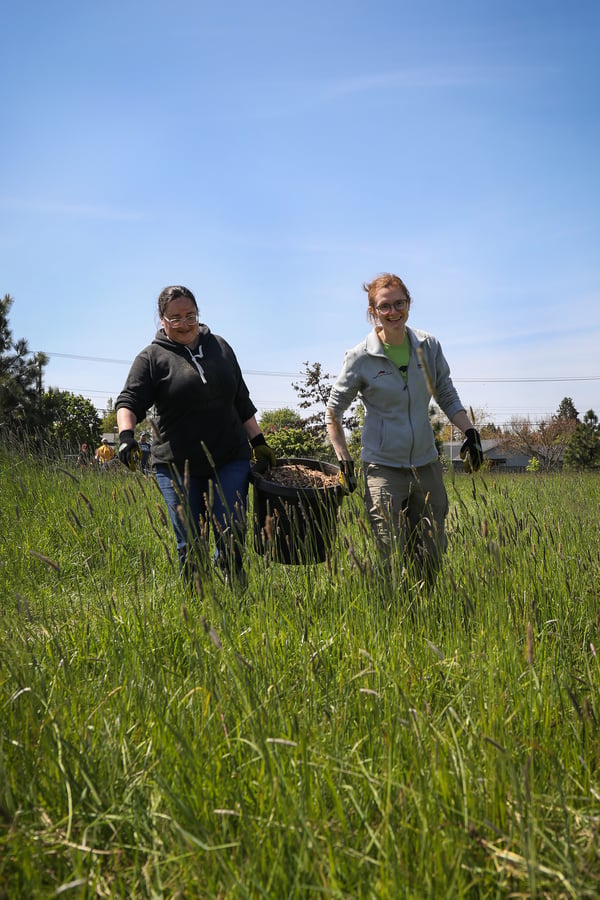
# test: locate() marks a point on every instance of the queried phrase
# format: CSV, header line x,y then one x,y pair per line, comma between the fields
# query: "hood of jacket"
x,y
161,339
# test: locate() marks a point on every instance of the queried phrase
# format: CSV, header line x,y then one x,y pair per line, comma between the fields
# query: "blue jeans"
x,y
211,503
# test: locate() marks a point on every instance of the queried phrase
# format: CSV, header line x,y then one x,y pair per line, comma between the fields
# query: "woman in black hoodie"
x,y
204,429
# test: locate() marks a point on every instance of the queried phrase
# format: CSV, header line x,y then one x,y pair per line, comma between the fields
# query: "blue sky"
x,y
274,156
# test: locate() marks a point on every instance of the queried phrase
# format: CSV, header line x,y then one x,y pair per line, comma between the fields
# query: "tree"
x,y
109,421
275,419
298,442
288,435
20,379
71,420
546,440
566,409
490,432
520,436
314,392
314,395
291,434
583,449
447,432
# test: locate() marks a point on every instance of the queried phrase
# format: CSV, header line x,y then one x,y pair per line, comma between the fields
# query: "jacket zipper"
x,y
410,421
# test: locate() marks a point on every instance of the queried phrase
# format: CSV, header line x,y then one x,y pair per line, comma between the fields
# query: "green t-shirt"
x,y
399,354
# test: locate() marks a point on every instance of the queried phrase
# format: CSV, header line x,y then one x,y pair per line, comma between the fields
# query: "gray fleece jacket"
x,y
396,431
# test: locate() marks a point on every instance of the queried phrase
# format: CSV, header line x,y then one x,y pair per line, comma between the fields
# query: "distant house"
x,y
110,437
498,456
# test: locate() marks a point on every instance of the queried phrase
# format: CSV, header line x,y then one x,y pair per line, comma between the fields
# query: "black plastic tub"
x,y
295,525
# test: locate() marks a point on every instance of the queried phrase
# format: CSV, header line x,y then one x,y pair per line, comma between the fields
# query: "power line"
x,y
127,362
124,362
529,380
479,380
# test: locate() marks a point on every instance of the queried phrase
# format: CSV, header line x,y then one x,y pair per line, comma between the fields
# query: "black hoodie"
x,y
200,404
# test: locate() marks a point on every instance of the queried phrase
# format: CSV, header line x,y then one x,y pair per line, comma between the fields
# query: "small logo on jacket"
x,y
380,373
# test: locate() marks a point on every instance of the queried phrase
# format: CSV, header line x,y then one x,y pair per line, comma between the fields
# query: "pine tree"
x,y
20,379
583,449
566,409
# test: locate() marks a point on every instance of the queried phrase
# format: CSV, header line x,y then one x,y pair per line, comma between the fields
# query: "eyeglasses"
x,y
177,321
385,309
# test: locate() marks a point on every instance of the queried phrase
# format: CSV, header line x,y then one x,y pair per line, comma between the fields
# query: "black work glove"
x,y
262,452
129,449
347,476
472,447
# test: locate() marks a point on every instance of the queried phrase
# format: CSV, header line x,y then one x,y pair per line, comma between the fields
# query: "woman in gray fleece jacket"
x,y
395,371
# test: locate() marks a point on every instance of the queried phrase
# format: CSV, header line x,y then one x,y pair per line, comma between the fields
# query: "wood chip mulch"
x,y
298,475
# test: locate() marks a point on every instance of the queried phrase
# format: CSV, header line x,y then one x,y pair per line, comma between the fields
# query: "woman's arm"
x,y
462,421
126,419
335,431
251,428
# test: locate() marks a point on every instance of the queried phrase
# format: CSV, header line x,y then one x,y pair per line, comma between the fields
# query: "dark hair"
x,y
172,293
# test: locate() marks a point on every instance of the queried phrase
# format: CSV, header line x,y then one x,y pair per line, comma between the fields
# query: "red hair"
x,y
385,280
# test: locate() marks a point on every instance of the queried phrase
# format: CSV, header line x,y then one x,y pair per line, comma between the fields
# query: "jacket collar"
x,y
162,340
374,346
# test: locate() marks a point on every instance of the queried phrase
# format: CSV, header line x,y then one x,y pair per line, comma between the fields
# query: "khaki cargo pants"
x,y
407,509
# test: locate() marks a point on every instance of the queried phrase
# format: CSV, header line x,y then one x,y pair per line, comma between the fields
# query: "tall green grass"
x,y
330,732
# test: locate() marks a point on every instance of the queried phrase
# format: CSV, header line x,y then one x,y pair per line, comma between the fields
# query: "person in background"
x,y
395,371
85,456
105,453
205,431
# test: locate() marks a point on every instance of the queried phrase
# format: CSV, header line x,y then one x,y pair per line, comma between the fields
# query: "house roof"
x,y
492,449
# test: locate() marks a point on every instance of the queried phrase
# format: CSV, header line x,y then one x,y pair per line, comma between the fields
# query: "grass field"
x,y
315,736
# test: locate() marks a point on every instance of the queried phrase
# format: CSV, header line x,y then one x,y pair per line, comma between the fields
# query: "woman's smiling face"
x,y
391,306
180,321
